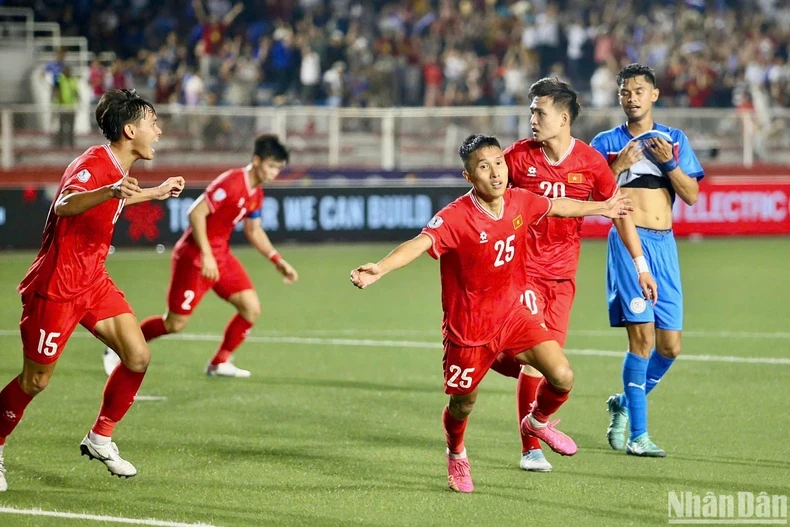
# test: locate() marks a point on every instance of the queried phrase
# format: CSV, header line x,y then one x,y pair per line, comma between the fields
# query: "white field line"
x,y
97,518
422,344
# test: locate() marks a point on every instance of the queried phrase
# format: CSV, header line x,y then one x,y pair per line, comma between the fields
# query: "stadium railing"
x,y
372,138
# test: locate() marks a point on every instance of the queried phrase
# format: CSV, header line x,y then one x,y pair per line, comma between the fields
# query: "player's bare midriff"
x,y
652,207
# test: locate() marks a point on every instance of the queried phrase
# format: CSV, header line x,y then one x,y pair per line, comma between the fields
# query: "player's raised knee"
x,y
137,359
250,311
175,323
34,383
561,377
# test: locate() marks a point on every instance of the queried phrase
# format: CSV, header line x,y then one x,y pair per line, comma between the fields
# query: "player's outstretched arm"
x,y
197,220
170,188
260,240
402,255
73,202
617,206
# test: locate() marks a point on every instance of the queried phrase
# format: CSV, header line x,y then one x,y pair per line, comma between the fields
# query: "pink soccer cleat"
x,y
459,477
557,441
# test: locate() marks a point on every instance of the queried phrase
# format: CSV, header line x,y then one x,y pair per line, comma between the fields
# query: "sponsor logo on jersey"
x,y
638,305
435,222
83,176
575,177
518,222
483,237
532,172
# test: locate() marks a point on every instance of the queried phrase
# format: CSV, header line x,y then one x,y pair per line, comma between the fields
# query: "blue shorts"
x,y
626,303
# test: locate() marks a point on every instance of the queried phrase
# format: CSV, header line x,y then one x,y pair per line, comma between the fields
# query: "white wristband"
x,y
641,265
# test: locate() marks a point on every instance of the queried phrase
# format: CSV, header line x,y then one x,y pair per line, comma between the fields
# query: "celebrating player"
x,y
481,240
68,283
555,164
202,259
655,162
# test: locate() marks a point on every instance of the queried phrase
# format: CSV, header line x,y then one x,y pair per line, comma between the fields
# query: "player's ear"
x,y
256,161
467,176
654,97
129,130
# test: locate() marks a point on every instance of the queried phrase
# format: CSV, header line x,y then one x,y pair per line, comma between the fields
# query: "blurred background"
x,y
379,93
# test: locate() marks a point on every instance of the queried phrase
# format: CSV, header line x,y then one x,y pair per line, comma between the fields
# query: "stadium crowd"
x,y
707,53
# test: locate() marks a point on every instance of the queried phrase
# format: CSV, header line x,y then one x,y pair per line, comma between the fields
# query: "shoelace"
x,y
462,466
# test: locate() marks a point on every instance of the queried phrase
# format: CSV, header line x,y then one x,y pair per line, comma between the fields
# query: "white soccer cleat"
x,y
535,461
226,369
108,454
3,482
110,359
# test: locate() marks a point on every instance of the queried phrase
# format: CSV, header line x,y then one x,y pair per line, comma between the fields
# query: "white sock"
x,y
535,423
96,439
462,455
2,447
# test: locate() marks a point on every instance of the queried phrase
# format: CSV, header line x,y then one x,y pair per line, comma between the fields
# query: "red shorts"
x,y
554,299
187,286
465,367
47,325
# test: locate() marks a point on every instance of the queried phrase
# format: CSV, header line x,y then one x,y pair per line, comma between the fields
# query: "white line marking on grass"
x,y
421,344
97,518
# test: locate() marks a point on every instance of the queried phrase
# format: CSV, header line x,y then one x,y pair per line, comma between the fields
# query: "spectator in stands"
x,y
66,97
214,28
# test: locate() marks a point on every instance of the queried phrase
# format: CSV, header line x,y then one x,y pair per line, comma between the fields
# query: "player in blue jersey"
x,y
656,164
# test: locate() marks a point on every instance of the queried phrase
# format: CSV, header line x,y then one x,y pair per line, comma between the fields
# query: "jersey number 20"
x,y
553,191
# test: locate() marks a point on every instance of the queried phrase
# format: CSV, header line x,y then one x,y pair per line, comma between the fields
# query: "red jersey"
x,y
230,199
74,248
581,174
482,262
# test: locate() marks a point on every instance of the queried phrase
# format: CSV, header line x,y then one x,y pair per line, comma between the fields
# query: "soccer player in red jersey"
x,y
202,259
482,240
555,164
68,283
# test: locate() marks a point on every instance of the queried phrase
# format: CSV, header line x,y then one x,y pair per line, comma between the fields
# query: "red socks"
x,y
453,431
13,401
119,394
549,401
235,333
153,327
526,393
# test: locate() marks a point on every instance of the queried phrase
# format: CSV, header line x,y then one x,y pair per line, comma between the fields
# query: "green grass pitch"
x,y
340,422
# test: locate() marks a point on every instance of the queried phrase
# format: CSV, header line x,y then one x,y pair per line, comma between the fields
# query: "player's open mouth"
x,y
496,184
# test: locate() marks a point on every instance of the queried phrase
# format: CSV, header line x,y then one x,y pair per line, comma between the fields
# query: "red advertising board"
x,y
726,207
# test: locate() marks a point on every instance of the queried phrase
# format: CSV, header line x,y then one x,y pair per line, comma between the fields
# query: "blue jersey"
x,y
611,142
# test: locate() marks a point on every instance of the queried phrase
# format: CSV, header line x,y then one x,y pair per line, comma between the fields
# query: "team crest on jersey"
x,y
638,305
435,222
575,177
483,237
83,176
532,172
219,194
518,222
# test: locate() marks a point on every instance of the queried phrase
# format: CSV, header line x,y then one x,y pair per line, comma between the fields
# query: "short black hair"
x,y
269,145
117,108
635,70
474,143
562,93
